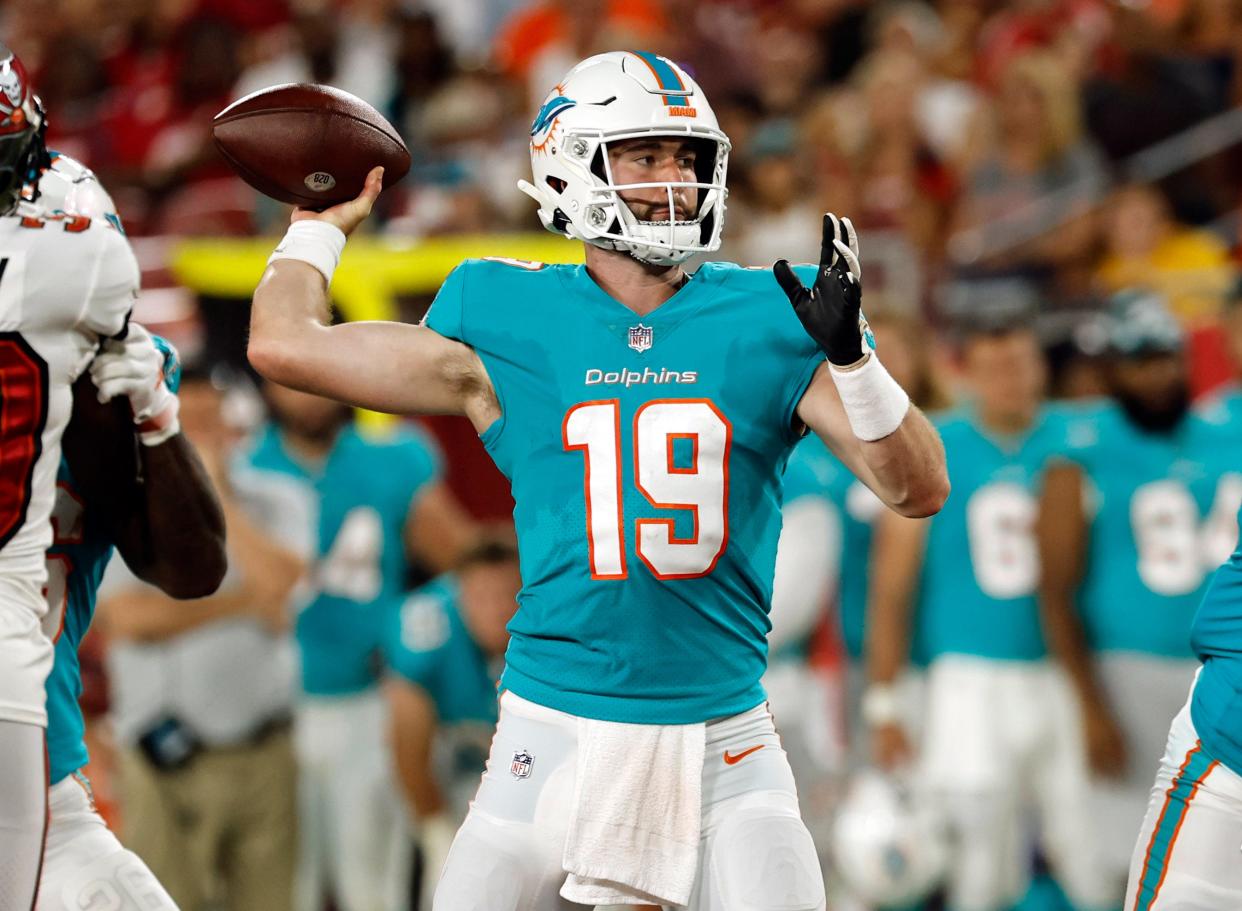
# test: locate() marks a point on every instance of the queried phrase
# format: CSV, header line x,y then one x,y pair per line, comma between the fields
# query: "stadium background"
x,y
1036,153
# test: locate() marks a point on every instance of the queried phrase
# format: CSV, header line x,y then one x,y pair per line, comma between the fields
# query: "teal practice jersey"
x,y
645,457
362,492
80,551
1162,510
813,471
430,645
981,564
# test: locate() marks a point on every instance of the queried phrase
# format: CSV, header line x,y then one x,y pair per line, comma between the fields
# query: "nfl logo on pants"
x,y
522,761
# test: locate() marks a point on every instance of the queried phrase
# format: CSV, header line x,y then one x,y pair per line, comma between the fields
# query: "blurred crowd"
x,y
1010,166
968,139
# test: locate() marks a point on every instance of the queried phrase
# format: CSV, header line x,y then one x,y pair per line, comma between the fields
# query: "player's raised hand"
x,y
348,215
831,309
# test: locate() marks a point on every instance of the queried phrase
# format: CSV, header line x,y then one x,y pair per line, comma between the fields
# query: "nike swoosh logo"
x,y
731,758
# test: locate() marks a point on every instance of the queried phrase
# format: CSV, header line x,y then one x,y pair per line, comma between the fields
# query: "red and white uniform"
x,y
66,283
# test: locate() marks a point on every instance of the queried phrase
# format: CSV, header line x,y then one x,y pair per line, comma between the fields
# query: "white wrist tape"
x,y
874,403
315,242
163,426
881,705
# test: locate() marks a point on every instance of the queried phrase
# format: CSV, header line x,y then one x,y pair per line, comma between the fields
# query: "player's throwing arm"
x,y
853,404
384,366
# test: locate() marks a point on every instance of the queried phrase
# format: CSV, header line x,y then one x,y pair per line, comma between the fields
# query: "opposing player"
x,y
1001,741
643,416
66,283
445,652
378,500
1129,529
148,493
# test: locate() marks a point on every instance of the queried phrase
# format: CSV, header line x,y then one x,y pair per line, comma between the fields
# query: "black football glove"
x,y
830,311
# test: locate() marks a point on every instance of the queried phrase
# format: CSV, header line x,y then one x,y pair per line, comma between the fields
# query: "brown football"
x,y
309,145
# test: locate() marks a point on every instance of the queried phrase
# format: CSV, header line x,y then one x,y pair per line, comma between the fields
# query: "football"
x,y
308,145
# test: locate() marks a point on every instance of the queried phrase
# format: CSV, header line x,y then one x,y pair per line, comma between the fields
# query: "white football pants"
x,y
1188,856
354,841
755,855
1002,744
84,866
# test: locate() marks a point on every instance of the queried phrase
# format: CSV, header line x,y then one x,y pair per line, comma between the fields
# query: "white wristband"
x,y
312,241
874,403
881,705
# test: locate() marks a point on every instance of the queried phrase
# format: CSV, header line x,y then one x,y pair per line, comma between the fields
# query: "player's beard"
x,y
1161,417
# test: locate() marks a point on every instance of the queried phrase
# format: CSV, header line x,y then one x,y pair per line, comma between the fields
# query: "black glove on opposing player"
x,y
830,310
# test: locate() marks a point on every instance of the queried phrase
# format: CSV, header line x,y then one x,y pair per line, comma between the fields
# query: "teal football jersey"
x,y
981,564
814,471
645,457
1216,636
363,491
1162,512
430,645
80,551
76,562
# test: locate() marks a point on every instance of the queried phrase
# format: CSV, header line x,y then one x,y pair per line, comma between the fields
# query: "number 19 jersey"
x,y
645,456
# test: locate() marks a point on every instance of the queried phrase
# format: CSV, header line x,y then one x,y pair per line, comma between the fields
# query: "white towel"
x,y
637,811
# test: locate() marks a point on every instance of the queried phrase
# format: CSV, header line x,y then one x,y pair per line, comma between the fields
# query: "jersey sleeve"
x,y
114,286
446,315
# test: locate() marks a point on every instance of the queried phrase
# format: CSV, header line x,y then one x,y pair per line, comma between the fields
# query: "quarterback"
x,y
67,282
634,759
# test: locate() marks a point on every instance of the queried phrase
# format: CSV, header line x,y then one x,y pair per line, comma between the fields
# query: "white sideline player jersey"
x,y
66,282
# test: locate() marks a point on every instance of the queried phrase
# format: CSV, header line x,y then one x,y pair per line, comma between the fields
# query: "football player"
x,y
445,650
1130,527
643,416
1186,856
66,284
378,500
154,503
999,726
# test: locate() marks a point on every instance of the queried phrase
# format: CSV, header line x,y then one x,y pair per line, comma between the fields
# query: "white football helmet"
x,y
611,97
887,846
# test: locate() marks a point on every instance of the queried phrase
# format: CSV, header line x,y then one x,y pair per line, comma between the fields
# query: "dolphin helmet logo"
x,y
546,118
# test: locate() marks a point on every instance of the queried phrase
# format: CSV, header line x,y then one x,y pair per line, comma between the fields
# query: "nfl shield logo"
x,y
522,761
640,337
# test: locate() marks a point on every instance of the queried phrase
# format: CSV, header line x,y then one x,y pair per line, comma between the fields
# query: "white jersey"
x,y
66,283
69,186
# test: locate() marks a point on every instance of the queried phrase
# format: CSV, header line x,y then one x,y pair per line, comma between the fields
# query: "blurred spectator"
x,y
156,132
1146,248
202,695
352,46
778,220
538,44
1027,204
